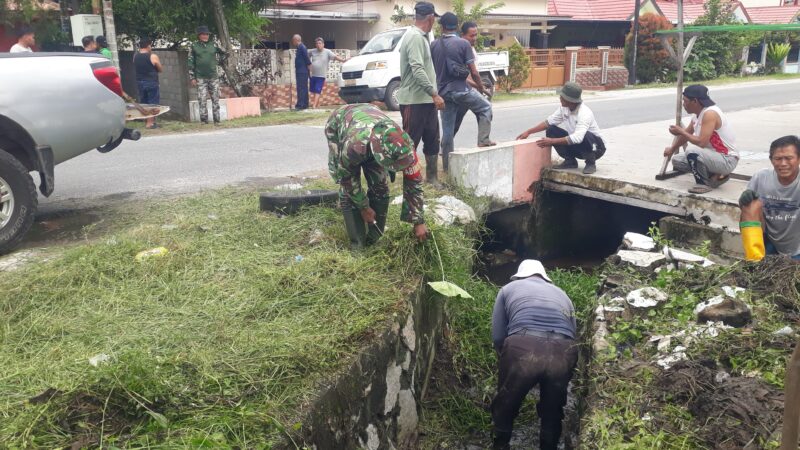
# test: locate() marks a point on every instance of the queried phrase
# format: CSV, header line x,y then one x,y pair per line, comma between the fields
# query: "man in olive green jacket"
x,y
204,57
418,96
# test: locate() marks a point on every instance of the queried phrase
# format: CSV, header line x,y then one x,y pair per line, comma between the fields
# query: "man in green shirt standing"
x,y
418,97
203,64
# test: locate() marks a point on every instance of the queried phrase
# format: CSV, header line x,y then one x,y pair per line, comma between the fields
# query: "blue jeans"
x,y
770,249
148,92
456,106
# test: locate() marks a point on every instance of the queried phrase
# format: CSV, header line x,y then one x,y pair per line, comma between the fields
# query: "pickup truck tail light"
x,y
110,78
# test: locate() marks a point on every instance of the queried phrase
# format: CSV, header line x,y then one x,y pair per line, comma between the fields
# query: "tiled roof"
x,y
774,14
692,9
591,9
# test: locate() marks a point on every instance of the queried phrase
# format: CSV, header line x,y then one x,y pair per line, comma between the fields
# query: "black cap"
x,y
449,21
700,93
425,9
202,29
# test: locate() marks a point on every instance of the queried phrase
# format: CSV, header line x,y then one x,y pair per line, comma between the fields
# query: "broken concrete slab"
x,y
640,242
645,298
680,256
731,312
644,260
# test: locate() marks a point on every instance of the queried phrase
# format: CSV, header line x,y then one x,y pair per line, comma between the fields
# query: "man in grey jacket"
x,y
534,331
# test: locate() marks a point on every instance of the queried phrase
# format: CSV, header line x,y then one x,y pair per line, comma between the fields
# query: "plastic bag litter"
x,y
448,210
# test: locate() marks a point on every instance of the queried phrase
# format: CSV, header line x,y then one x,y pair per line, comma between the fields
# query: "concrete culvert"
x,y
289,202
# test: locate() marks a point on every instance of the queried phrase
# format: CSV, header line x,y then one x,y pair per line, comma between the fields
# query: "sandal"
x,y
700,189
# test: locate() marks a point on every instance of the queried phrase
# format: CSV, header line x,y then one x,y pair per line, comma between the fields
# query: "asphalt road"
x,y
173,164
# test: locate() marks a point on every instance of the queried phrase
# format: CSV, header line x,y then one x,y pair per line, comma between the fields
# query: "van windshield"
x,y
383,42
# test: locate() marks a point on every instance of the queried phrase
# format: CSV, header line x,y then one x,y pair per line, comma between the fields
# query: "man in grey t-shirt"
x,y
532,317
772,203
321,58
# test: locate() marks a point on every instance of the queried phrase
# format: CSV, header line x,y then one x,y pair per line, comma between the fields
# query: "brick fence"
x,y
592,78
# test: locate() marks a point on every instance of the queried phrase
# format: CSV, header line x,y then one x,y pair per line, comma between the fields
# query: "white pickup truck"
x,y
374,75
53,107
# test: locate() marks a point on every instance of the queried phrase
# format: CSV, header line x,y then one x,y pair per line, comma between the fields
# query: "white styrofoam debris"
x,y
398,200
678,354
732,292
636,241
640,259
448,210
96,360
710,302
290,187
785,331
721,376
647,297
600,313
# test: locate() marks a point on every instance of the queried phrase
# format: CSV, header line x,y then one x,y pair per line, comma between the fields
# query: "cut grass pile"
x,y
457,414
726,394
168,126
219,343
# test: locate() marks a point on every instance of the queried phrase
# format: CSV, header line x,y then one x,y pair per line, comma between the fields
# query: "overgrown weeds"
x,y
221,343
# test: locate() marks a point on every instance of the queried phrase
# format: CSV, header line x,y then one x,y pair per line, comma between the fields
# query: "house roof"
x,y
609,10
692,9
774,14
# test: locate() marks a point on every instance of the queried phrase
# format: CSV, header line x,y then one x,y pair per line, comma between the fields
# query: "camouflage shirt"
x,y
357,133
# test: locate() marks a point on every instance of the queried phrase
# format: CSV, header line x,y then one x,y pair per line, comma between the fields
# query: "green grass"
x,y
501,96
723,80
218,344
266,119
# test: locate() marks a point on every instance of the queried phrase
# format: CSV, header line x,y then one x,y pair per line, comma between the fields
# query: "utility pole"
x,y
111,32
636,10
681,59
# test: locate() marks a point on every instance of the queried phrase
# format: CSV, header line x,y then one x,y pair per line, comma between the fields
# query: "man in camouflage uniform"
x,y
361,137
203,64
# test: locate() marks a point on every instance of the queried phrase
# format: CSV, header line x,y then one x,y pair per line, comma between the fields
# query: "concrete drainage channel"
x,y
679,349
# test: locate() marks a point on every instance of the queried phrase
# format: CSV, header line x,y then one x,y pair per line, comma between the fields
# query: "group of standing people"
x,y
311,70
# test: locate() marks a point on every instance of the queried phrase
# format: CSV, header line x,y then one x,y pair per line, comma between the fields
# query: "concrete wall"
x,y
374,404
173,81
504,172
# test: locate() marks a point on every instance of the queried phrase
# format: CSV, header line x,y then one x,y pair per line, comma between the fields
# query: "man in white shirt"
x,y
712,155
572,130
25,41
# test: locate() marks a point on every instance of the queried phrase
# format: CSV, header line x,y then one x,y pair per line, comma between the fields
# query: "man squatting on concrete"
x,y
712,156
771,204
454,61
203,71
572,130
418,94
360,137
534,331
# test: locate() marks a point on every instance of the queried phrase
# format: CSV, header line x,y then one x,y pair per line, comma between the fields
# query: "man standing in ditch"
x,y
361,137
454,61
534,331
712,156
572,130
418,94
204,57
771,204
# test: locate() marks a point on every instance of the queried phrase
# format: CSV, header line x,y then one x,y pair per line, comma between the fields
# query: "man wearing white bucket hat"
x,y
534,331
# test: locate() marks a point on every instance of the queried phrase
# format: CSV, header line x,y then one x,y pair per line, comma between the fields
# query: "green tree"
x,y
173,21
718,53
653,62
519,68
475,14
46,24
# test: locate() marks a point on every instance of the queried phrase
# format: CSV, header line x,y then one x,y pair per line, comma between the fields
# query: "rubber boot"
x,y
502,440
446,162
356,228
752,240
432,169
381,208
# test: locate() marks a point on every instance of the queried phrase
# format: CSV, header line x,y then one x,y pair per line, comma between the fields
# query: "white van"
x,y
374,75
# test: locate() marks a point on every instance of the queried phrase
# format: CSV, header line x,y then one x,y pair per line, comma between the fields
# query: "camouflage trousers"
x,y
377,184
206,87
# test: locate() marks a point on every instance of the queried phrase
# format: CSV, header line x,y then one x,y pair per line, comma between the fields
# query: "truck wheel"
x,y
17,202
488,84
390,99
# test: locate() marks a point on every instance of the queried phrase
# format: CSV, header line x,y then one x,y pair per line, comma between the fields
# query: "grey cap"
x,y
571,92
202,29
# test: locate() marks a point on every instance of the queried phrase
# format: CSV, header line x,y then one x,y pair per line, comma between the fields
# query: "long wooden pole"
x,y
679,103
111,31
636,10
791,402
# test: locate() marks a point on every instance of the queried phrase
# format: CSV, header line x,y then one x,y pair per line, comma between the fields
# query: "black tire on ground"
x,y
488,84
390,98
289,202
20,185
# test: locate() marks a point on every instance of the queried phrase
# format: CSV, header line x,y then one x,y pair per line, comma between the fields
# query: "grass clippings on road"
x,y
220,343
168,126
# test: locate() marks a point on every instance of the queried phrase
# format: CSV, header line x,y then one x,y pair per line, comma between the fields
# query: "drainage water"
x,y
566,232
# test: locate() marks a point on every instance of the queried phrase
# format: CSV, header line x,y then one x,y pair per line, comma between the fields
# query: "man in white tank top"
x,y
711,156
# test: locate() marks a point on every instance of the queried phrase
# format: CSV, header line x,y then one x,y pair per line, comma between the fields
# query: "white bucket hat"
x,y
529,268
